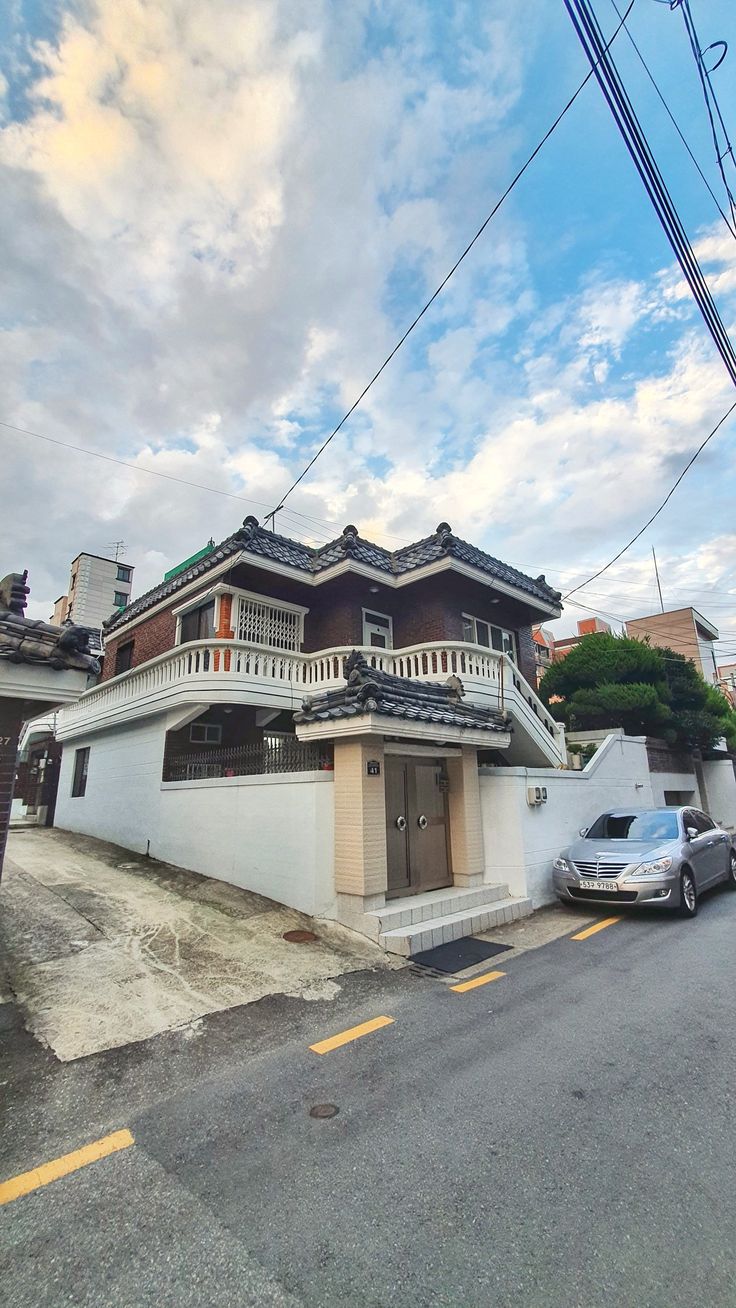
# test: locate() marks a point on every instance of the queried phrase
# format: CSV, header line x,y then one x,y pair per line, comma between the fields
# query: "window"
x,y
123,574
266,622
479,632
121,599
198,624
124,657
81,765
701,821
205,733
377,630
657,824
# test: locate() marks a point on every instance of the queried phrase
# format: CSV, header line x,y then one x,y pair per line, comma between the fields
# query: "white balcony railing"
x,y
222,671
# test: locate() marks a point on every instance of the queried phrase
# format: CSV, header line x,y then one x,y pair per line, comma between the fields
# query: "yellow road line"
x,y
477,981
353,1033
38,1176
597,926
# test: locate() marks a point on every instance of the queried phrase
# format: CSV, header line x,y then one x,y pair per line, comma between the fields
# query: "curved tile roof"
x,y
251,538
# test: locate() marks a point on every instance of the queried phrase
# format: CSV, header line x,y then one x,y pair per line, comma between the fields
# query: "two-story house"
x,y
189,748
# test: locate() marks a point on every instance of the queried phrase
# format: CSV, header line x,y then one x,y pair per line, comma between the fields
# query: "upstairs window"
x,y
121,599
479,632
123,574
198,624
270,623
124,657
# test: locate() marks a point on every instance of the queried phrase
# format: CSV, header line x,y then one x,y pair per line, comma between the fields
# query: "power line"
x,y
658,510
603,65
446,279
711,100
675,123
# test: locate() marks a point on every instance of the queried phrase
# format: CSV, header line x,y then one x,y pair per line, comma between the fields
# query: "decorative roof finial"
x,y
14,592
249,527
444,535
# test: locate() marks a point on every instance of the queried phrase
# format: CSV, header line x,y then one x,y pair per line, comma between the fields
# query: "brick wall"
x,y
426,611
153,636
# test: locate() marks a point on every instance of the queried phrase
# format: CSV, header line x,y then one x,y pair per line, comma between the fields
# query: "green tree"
x,y
614,681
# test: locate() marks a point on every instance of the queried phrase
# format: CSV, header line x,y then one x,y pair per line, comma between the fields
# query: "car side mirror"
x,y
691,833
583,831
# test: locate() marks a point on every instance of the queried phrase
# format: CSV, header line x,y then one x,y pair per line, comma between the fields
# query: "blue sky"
x,y
218,218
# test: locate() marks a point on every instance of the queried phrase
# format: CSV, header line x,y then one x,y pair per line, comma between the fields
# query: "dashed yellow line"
x,y
47,1172
597,926
353,1033
477,981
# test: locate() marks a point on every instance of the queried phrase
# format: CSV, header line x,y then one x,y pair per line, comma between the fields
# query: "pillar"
x,y
360,819
466,832
10,723
224,629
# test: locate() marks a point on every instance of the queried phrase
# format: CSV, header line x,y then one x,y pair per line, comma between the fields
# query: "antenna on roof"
x,y
119,547
272,517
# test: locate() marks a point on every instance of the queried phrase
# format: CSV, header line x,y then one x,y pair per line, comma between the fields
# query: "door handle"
x,y
422,823
401,823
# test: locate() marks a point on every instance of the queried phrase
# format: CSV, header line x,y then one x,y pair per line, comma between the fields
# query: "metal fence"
x,y
272,754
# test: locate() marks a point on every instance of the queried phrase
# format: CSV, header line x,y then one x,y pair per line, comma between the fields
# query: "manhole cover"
x,y
324,1110
299,937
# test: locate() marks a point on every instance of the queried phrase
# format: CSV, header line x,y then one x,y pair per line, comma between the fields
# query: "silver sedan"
x,y
657,857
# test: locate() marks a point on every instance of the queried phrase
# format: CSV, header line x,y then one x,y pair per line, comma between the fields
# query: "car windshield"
x,y
635,826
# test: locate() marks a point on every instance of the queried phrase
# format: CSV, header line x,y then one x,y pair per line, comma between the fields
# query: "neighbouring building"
x,y
586,627
312,723
41,666
727,681
684,630
544,650
97,587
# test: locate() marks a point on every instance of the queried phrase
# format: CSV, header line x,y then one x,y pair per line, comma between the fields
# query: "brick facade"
x,y
428,610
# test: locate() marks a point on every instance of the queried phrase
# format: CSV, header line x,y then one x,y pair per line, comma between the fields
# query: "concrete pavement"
x,y
563,1135
103,948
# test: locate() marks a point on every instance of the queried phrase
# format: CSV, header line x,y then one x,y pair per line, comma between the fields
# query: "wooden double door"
x,y
417,825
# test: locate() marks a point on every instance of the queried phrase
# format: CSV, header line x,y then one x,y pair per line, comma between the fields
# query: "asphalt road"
x,y
563,1135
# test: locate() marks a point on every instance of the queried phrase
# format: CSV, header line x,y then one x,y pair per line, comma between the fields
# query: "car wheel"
x,y
688,894
731,878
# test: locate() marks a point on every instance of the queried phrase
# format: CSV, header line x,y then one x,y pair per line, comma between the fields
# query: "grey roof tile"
x,y
368,690
254,539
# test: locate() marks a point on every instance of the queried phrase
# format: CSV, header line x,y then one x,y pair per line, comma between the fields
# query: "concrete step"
x,y
412,939
413,909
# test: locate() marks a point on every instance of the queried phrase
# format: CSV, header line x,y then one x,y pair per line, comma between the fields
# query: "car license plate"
x,y
598,885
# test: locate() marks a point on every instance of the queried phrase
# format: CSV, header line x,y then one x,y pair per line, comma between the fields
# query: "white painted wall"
x,y
520,842
682,781
720,786
271,834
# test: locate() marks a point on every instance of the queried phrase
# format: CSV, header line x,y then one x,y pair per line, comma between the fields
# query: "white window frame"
x,y
298,609
211,733
493,626
389,630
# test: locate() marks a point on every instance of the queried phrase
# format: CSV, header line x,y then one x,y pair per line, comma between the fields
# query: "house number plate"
x,y
373,767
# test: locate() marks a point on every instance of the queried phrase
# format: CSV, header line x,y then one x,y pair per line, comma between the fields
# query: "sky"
x,y
218,218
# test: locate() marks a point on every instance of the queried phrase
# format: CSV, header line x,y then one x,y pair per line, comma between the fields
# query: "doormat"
x,y
456,955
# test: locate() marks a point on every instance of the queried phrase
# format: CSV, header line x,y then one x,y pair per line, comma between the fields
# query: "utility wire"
x,y
168,476
728,221
445,280
658,510
711,100
603,65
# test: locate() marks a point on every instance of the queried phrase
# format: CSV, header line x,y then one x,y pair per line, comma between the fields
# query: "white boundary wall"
x,y
719,782
273,834
520,842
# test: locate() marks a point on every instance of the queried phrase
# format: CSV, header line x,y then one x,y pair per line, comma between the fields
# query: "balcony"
x,y
230,671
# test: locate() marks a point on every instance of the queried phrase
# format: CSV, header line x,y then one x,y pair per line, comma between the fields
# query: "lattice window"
x,y
262,623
